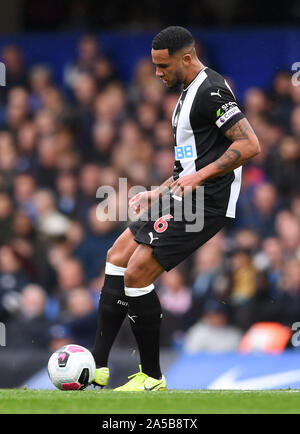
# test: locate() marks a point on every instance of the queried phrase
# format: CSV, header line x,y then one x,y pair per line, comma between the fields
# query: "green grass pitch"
x,y
168,402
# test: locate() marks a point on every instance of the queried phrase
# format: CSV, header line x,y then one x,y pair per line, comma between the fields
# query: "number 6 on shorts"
x,y
161,224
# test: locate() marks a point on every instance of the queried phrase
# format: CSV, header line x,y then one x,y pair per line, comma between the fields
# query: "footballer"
x,y
212,140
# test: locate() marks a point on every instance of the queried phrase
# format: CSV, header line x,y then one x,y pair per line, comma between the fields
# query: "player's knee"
x,y
109,254
133,275
114,256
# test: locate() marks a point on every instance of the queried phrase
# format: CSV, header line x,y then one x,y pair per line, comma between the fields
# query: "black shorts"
x,y
169,238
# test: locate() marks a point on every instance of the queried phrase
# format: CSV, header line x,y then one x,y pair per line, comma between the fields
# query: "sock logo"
x,y
123,303
132,317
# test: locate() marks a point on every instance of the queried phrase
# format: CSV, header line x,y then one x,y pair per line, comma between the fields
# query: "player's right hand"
x,y
141,202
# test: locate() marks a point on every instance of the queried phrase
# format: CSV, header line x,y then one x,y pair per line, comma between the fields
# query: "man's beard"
x,y
178,82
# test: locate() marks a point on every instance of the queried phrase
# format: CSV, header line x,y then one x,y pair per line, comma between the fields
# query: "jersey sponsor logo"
x,y
228,105
224,108
227,115
184,152
216,93
219,113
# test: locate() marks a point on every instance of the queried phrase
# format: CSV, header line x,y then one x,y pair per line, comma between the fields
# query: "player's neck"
x,y
195,68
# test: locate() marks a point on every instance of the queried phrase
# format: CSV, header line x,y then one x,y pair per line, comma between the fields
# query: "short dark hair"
x,y
173,38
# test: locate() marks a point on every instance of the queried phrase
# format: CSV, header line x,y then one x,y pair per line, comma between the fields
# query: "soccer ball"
x,y
71,367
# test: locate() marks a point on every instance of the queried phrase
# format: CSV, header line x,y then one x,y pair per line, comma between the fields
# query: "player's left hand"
x,y
185,184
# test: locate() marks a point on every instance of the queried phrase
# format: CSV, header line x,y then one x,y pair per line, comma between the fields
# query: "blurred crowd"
x,y
59,144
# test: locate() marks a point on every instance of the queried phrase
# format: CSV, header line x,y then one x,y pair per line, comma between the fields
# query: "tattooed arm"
x,y
244,146
165,186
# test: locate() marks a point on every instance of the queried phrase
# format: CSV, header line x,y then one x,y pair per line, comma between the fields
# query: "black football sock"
x,y
113,307
145,316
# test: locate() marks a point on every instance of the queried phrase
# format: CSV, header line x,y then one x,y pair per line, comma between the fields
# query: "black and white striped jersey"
x,y
205,110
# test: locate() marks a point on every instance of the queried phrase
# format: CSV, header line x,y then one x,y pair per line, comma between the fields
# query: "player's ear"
x,y
186,59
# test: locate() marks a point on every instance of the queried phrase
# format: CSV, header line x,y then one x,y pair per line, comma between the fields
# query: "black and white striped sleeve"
x,y
220,107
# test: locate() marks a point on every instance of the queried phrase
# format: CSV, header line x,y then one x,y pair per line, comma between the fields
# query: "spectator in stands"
x,y
53,101
27,245
110,103
274,261
16,72
26,139
13,278
288,229
24,189
50,222
70,275
147,117
168,105
295,122
88,52
213,333
28,329
75,234
295,95
67,193
45,123
81,317
18,108
89,182
8,156
6,218
261,212
40,78
295,205
243,277
256,103
176,299
211,280
247,239
283,166
153,92
103,136
290,297
48,156
104,71
99,238
280,96
143,72
84,93
163,166
163,134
